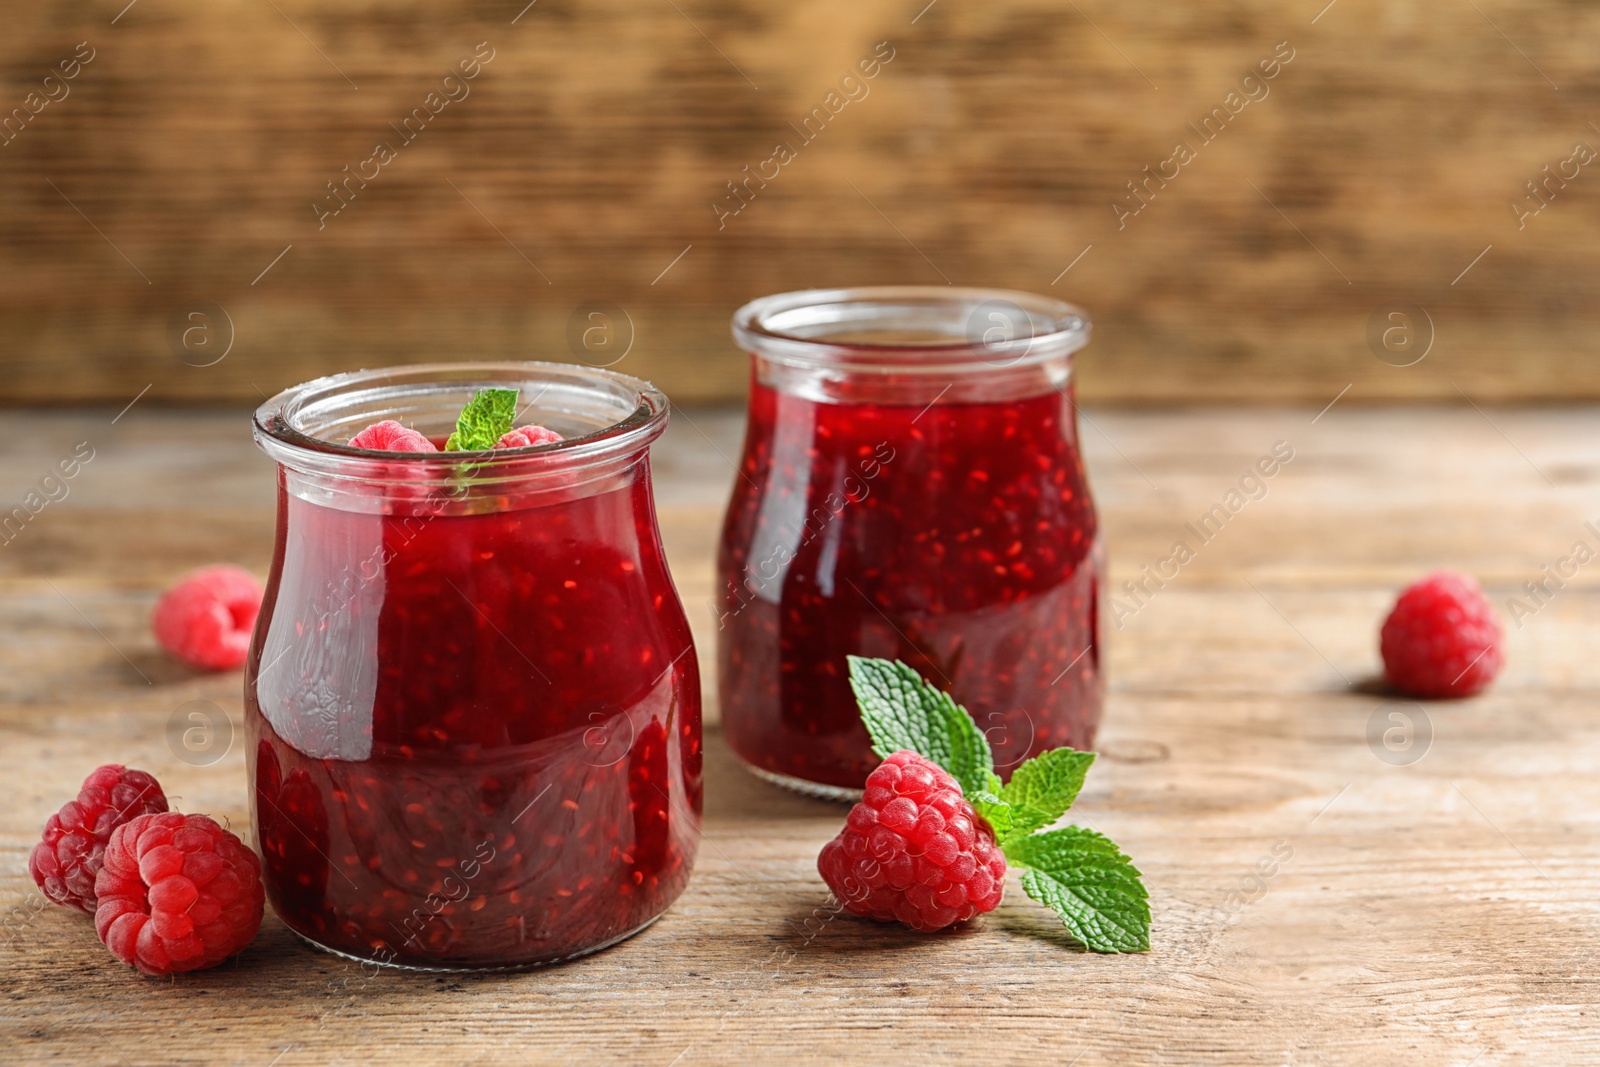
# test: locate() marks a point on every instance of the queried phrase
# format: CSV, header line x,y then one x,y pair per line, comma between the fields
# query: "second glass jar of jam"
x,y
911,488
472,700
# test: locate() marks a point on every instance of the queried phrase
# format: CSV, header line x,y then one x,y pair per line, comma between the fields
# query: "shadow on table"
x,y
825,928
733,794
158,668
1374,685
1033,921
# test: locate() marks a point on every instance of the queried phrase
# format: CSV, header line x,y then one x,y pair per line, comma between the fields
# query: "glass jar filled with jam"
x,y
472,701
911,488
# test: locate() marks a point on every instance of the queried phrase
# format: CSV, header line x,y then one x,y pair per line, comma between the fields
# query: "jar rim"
x,y
281,422
910,328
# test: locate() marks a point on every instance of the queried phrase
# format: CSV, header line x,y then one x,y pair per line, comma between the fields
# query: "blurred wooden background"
x,y
178,169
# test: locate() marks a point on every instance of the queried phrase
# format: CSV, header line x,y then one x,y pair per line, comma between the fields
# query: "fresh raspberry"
x,y
390,436
914,850
68,856
1442,639
177,893
527,436
206,619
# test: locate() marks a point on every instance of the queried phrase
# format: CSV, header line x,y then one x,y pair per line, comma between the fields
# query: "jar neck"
x,y
607,421
911,344
843,385
466,489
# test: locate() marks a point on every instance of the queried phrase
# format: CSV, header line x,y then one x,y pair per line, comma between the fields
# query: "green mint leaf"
x,y
996,812
900,710
1086,880
1043,788
485,419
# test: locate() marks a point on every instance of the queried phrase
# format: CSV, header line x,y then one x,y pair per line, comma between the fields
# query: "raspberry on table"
x,y
1443,638
913,850
390,436
177,893
527,436
68,856
206,619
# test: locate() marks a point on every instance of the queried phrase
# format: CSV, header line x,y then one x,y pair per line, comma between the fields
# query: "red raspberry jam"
x,y
473,702
941,519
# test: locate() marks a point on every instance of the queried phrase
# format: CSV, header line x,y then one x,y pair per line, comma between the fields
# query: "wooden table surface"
x,y
1429,904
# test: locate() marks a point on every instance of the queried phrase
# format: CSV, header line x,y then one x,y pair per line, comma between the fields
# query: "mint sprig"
x,y
1000,816
1078,873
485,419
1089,882
903,711
1042,789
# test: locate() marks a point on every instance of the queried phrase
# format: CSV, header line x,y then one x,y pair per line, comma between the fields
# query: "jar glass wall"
x,y
472,701
911,488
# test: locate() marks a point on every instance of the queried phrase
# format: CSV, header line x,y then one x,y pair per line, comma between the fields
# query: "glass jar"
x,y
910,488
472,701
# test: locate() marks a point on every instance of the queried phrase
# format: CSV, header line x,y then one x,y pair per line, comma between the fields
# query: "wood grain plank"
x,y
1375,167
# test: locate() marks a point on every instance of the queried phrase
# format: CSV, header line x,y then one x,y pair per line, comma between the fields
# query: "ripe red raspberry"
x,y
527,436
390,436
914,850
206,619
68,856
1442,639
177,893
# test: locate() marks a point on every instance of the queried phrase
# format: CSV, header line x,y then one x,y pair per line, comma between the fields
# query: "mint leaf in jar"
x,y
485,419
